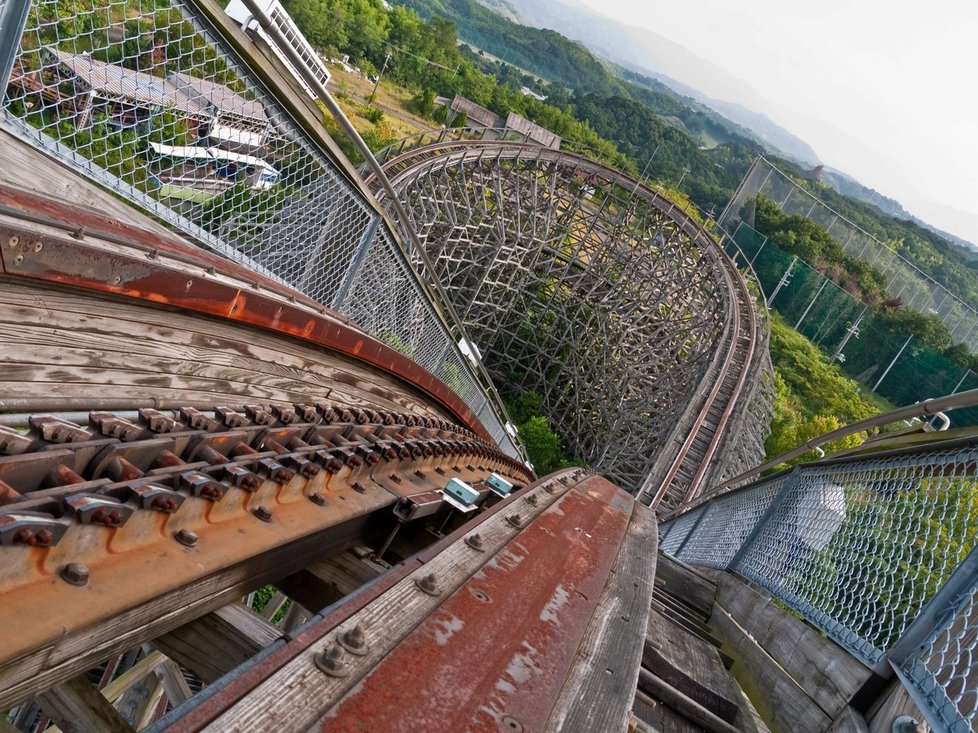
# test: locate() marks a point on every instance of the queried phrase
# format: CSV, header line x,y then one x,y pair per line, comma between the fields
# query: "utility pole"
x,y
377,83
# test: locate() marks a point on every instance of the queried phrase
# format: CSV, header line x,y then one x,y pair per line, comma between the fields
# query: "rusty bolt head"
x,y
515,520
354,641
44,537
75,574
164,504
475,542
24,536
331,662
309,469
531,499
317,499
186,537
428,584
262,513
282,475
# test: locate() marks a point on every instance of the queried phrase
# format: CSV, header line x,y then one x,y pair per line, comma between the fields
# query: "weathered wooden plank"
x,y
78,707
323,583
597,694
849,721
830,675
659,689
892,705
685,582
213,645
691,665
122,330
384,623
49,177
785,705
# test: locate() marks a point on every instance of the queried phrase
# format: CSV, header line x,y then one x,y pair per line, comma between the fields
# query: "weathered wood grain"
x,y
685,582
849,721
50,338
691,665
325,582
892,705
827,673
79,708
213,645
783,704
597,694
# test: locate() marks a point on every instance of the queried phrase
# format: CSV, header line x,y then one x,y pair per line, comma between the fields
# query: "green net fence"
x,y
890,362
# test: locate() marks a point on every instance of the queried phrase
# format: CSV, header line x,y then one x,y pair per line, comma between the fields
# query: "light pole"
x,y
383,67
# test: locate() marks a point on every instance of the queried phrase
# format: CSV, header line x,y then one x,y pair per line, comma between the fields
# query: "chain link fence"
x,y
888,361
876,552
143,97
904,280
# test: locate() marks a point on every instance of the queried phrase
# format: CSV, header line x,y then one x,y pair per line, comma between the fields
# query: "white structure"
x,y
236,9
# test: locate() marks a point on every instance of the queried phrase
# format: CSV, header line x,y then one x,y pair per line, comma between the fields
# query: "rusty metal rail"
x,y
102,519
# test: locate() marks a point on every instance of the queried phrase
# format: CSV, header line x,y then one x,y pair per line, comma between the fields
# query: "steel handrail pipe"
x,y
925,408
278,37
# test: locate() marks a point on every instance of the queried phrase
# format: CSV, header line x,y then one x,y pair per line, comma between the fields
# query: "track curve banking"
x,y
662,432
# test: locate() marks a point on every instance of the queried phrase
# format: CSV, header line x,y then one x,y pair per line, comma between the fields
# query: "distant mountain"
x,y
849,186
654,55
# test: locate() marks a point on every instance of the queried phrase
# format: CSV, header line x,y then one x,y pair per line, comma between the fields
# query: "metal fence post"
x,y
939,610
13,17
692,530
776,503
356,262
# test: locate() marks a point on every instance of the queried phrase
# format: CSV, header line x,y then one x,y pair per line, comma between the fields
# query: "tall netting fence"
x,y
147,99
879,553
904,280
888,361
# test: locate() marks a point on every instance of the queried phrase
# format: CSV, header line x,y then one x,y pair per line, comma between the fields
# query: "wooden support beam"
x,y
827,673
691,665
690,709
323,583
780,700
77,706
213,645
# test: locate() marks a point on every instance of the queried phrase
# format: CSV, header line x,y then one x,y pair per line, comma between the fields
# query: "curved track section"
x,y
176,431
600,294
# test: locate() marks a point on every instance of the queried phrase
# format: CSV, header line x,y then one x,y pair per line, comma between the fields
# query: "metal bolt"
x,y
117,279
549,488
262,513
906,724
509,723
428,584
38,246
475,542
354,641
75,573
515,520
18,259
331,662
531,499
186,537
317,499
359,488
13,241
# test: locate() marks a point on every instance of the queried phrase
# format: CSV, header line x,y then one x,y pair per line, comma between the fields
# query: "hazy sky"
x,y
885,91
